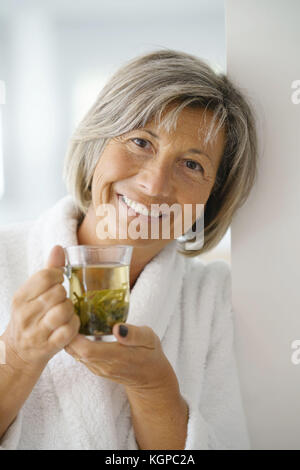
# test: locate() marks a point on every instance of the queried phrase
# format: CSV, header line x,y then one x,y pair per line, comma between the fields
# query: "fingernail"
x,y
123,330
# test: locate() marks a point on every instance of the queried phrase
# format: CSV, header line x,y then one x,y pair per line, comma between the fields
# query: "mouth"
x,y
137,210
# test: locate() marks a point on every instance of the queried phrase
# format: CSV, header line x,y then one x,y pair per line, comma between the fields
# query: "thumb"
x,y
56,257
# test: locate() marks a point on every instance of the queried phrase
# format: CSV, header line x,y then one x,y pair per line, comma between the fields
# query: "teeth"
x,y
139,208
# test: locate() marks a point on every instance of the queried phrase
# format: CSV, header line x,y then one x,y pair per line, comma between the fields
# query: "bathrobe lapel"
x,y
95,411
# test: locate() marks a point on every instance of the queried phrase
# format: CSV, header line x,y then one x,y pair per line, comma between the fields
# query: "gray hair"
x,y
139,92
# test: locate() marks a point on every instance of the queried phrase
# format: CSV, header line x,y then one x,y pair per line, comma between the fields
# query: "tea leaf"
x,y
100,310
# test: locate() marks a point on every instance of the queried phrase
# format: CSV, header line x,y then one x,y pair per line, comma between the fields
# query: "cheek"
x,y
194,194
111,167
196,197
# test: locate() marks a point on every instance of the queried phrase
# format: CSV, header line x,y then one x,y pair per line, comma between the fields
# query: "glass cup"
x,y
98,278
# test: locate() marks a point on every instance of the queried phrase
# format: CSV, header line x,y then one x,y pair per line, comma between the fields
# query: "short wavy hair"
x,y
140,91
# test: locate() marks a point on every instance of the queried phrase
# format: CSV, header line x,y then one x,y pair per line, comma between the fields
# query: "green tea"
x,y
100,294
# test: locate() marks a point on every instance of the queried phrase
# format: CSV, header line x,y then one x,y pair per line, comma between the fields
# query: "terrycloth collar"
x,y
95,413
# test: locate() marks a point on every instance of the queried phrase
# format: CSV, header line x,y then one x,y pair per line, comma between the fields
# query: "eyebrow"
x,y
193,150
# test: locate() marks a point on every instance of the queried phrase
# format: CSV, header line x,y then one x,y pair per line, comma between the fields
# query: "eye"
x,y
140,142
194,165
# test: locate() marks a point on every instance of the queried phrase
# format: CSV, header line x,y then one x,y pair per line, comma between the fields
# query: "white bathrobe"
x,y
186,303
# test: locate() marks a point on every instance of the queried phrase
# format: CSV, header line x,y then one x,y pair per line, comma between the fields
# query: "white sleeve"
x,y
217,421
11,438
8,269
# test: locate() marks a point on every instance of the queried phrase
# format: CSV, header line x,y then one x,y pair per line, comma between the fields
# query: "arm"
x,y
159,422
158,409
42,321
216,420
16,384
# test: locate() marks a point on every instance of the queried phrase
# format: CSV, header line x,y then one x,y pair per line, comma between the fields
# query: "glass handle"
x,y
67,271
67,274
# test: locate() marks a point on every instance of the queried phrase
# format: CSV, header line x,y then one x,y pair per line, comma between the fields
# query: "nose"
x,y
154,180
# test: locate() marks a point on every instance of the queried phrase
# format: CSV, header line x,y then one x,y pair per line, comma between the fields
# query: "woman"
x,y
165,129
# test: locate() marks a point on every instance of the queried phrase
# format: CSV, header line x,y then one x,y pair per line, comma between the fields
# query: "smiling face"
x,y
151,166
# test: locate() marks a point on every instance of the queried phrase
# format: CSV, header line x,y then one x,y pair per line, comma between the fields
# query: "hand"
x,y
159,412
137,360
42,320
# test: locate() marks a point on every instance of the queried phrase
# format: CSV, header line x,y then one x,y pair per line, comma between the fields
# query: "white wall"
x,y
263,38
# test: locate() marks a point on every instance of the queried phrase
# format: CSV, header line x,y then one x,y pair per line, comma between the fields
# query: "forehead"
x,y
191,129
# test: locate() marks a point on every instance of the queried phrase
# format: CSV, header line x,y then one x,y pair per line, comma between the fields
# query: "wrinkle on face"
x,y
127,167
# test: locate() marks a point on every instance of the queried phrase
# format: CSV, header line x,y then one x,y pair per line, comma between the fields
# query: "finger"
x,y
89,350
39,283
39,306
57,316
56,257
135,336
65,333
53,296
53,273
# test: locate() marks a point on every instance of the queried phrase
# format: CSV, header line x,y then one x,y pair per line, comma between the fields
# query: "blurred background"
x,y
55,56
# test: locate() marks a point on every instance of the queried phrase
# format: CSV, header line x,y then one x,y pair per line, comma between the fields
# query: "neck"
x,y
141,255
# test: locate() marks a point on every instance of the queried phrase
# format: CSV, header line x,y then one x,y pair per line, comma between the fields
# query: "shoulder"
x,y
220,273
222,321
213,277
215,268
207,295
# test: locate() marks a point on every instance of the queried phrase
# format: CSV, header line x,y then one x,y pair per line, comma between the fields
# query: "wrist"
x,y
156,402
167,390
159,424
15,363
